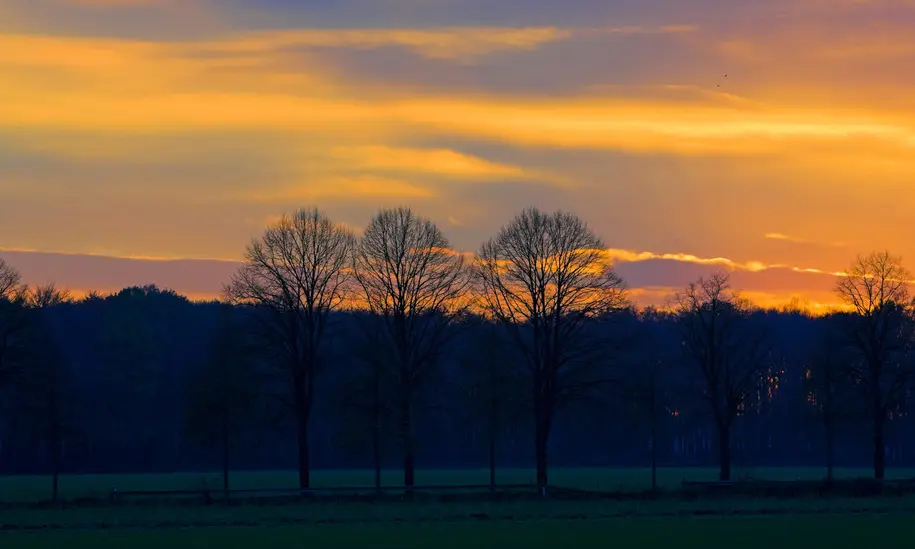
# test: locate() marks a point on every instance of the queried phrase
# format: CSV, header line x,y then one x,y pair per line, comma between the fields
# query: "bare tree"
x,y
296,275
10,280
826,384
730,347
222,395
545,278
490,378
364,392
13,297
879,329
415,284
48,402
650,385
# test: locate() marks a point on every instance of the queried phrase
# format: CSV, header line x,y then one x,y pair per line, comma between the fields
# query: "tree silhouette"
x,y
545,277
48,404
651,383
880,329
134,343
297,274
364,394
732,352
13,297
222,395
493,383
826,383
415,285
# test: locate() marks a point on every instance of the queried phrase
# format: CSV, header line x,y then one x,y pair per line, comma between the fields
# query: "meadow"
x,y
26,489
833,522
707,533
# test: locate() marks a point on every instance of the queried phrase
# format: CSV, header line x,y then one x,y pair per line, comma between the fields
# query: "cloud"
x,y
213,113
628,256
202,279
654,277
463,44
570,122
280,81
459,43
362,188
799,240
448,163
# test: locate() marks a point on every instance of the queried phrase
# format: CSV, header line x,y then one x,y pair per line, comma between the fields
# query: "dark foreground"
x,y
794,517
783,532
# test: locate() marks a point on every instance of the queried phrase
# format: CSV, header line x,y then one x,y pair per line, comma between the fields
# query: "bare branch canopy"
x,y
296,275
544,277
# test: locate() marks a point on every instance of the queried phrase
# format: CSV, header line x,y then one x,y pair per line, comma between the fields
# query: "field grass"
x,y
38,488
130,517
682,533
664,524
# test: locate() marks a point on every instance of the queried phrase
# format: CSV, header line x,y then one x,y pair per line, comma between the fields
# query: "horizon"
x,y
176,269
148,141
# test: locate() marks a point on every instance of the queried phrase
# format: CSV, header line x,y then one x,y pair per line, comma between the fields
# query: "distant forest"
x,y
388,350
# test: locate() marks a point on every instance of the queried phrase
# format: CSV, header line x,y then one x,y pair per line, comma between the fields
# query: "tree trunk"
x,y
409,470
304,462
56,487
407,369
302,403
654,452
376,429
724,453
541,451
56,459
879,451
830,451
654,429
409,466
225,454
492,458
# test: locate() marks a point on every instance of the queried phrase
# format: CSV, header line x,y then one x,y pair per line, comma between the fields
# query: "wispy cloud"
x,y
630,256
347,188
563,122
798,240
463,44
439,162
213,114
652,282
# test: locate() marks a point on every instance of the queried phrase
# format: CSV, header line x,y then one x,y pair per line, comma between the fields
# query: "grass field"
x,y
358,514
665,524
708,533
33,489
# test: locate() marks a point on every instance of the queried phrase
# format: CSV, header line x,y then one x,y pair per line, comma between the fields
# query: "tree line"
x,y
336,346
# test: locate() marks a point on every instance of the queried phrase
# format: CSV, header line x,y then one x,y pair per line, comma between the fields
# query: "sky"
x,y
148,141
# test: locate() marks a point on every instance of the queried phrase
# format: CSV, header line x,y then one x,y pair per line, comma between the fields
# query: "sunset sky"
x,y
133,131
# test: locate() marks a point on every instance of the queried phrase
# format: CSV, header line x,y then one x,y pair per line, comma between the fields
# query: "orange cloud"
x,y
203,278
248,81
465,44
441,162
563,122
631,256
798,240
650,147
366,187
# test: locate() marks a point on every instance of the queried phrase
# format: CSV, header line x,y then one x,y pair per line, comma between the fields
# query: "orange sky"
x,y
178,128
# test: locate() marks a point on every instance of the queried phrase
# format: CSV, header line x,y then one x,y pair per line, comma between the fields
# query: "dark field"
x,y
839,532
747,523
33,489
